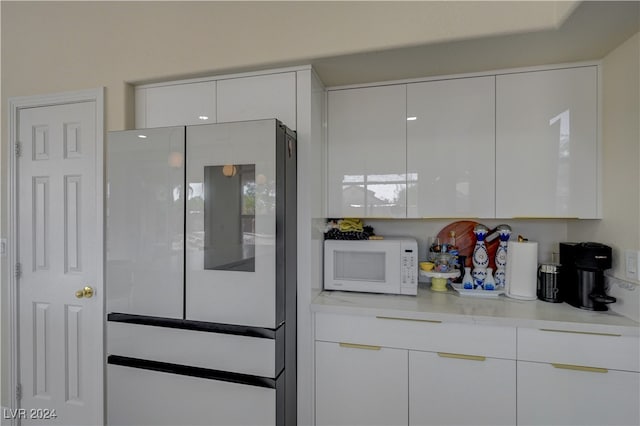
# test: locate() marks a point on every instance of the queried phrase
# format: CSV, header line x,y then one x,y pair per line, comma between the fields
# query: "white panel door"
x,y
548,395
258,97
451,148
231,223
447,389
60,353
367,152
176,105
145,222
361,385
547,143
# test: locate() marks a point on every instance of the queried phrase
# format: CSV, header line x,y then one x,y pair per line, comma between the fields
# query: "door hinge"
x,y
18,149
18,270
19,392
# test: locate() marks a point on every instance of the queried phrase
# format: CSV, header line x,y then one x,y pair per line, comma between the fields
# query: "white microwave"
x,y
389,265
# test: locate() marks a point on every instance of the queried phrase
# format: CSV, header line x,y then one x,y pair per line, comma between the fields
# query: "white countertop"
x,y
449,306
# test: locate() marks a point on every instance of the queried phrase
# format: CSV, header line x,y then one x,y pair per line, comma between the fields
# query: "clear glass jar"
x,y
443,261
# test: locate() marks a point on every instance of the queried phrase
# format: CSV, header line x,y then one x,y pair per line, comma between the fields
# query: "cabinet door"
x,y
447,389
176,105
451,148
546,143
360,385
258,97
559,396
367,152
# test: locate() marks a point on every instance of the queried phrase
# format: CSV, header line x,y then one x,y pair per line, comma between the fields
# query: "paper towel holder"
x,y
522,261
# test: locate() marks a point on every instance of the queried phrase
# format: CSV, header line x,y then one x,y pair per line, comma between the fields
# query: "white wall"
x,y
58,46
620,226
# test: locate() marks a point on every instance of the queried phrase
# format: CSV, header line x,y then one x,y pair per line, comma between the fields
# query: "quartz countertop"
x,y
450,306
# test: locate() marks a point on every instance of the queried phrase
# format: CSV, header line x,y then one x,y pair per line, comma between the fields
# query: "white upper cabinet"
x,y
367,152
176,105
258,97
451,148
547,143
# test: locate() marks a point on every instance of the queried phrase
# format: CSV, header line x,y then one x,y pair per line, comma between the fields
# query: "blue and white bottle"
x,y
467,280
489,282
480,257
504,232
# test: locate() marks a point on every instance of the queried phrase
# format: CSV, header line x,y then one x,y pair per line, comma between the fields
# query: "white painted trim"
x,y
470,75
303,124
15,105
223,77
599,143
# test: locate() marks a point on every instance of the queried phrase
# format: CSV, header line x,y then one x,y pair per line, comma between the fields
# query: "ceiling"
x,y
594,29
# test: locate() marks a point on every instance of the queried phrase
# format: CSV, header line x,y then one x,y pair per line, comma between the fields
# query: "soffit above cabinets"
x,y
593,30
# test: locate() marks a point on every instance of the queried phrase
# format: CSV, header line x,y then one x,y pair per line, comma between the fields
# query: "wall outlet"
x,y
632,260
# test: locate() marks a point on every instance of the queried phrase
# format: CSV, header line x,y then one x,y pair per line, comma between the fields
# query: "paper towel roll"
x,y
522,270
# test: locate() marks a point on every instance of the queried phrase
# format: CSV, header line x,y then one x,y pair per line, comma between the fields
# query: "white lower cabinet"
x,y
429,372
360,385
407,371
567,377
458,389
562,395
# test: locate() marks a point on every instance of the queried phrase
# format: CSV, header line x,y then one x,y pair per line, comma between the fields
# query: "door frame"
x,y
15,105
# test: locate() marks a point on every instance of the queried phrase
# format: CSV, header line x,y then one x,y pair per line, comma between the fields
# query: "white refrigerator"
x,y
201,275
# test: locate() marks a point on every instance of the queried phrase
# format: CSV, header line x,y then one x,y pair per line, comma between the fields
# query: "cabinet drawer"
x,y
601,350
554,396
434,336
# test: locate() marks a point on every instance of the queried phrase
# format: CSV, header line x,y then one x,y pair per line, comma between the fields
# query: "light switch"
x,y
632,258
3,247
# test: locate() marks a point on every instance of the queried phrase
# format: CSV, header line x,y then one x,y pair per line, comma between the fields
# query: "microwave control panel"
x,y
409,262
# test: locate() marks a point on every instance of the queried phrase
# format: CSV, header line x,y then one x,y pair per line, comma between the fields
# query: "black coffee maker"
x,y
582,275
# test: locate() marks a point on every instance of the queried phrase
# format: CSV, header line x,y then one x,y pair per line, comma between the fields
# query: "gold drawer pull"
x,y
544,217
410,319
580,368
357,346
581,332
462,356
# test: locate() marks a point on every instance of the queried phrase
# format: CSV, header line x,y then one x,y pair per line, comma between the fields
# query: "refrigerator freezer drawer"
x,y
204,349
145,397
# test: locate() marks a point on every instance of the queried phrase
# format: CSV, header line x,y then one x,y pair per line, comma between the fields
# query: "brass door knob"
x,y
85,292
